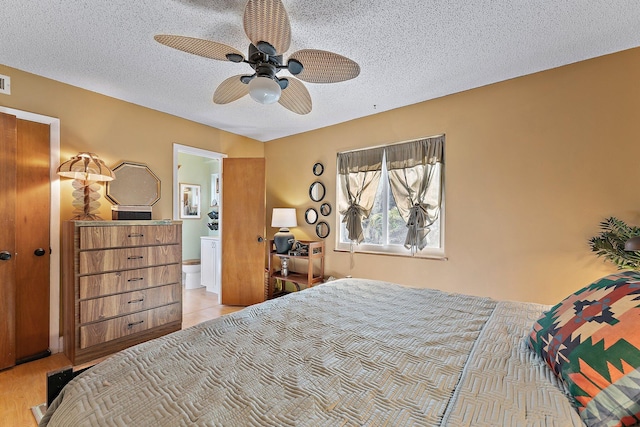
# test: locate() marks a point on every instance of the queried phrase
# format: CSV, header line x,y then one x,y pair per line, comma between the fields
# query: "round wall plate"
x,y
325,209
311,216
316,191
322,229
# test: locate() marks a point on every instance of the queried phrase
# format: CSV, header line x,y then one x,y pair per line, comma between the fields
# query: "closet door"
x,y
32,240
8,143
24,240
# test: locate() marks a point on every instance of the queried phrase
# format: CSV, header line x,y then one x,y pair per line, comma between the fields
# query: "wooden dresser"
x,y
121,285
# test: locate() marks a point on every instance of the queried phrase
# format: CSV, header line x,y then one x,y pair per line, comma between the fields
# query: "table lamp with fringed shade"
x,y
87,170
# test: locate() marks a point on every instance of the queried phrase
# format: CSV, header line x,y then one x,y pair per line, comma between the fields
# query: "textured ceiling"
x,y
408,51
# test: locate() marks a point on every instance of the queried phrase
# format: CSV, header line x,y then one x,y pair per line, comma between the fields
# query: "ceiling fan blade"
x,y
321,66
230,90
200,47
267,21
296,97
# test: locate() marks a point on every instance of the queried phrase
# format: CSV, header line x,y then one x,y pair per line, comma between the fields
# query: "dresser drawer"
x,y
128,280
129,302
109,330
128,235
128,258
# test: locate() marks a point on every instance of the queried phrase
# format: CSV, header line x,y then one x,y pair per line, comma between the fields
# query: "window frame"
x,y
389,249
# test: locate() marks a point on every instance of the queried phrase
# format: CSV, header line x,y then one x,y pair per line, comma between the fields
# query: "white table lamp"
x,y
283,218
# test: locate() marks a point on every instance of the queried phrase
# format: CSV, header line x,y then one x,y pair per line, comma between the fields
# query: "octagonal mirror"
x,y
135,184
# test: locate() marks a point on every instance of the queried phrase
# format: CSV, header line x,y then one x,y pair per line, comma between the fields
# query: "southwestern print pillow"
x,y
591,340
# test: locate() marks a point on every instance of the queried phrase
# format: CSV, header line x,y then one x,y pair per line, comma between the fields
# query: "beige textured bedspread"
x,y
347,353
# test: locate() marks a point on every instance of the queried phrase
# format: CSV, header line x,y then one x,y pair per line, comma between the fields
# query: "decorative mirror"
x,y
322,229
325,209
135,184
318,168
316,191
311,216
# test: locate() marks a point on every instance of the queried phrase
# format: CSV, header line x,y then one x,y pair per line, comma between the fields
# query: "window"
x,y
381,190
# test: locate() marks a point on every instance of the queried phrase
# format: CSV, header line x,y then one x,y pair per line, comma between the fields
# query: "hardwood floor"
x,y
199,305
24,386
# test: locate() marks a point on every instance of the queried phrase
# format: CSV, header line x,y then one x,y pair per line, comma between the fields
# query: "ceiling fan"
x,y
267,26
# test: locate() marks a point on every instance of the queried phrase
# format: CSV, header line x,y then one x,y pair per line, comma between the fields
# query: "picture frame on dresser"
x,y
189,201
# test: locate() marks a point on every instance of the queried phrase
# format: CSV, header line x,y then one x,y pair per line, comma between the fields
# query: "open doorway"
x,y
197,187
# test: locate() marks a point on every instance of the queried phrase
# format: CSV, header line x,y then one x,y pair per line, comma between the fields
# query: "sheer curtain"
x,y
415,176
359,175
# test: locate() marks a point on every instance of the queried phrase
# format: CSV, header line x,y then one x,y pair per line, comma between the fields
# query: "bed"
x,y
349,352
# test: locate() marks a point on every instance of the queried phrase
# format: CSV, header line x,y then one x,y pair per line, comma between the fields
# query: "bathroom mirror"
x,y
318,168
325,209
322,229
135,184
316,191
311,216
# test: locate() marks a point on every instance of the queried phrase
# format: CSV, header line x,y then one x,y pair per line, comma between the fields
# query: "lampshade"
x,y
264,90
283,218
86,167
633,244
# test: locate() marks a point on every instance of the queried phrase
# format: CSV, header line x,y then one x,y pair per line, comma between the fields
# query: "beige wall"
x,y
532,166
116,130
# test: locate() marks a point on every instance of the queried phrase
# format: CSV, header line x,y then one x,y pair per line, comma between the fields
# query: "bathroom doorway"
x,y
197,185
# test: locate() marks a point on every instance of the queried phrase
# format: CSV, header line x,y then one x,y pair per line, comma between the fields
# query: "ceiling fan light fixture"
x,y
264,90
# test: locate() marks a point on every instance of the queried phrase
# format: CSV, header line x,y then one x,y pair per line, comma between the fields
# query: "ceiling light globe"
x,y
264,90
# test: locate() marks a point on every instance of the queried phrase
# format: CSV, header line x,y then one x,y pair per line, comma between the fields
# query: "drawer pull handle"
x,y
135,279
136,235
131,325
135,301
135,257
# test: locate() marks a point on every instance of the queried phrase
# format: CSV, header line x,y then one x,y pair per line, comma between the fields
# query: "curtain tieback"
x,y
417,224
353,220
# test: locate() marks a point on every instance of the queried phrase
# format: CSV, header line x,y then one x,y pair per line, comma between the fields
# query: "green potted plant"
x,y
610,244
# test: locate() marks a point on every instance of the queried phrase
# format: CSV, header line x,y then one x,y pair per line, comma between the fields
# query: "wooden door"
x,y
24,221
8,143
242,228
32,240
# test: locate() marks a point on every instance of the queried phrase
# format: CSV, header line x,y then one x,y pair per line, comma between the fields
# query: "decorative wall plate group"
x,y
317,192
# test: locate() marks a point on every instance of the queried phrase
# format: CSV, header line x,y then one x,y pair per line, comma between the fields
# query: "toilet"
x,y
191,273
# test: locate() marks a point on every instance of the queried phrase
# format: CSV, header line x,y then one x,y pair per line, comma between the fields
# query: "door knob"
x,y
5,256
39,252
260,239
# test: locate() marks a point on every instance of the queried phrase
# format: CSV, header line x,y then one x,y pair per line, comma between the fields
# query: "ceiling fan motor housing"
x,y
265,69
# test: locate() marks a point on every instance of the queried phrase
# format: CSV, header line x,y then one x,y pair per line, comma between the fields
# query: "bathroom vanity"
x,y
210,263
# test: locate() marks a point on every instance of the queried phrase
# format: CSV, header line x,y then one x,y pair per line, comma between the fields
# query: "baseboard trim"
x,y
36,356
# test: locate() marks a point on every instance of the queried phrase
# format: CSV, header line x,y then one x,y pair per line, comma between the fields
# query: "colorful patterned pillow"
x,y
591,340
